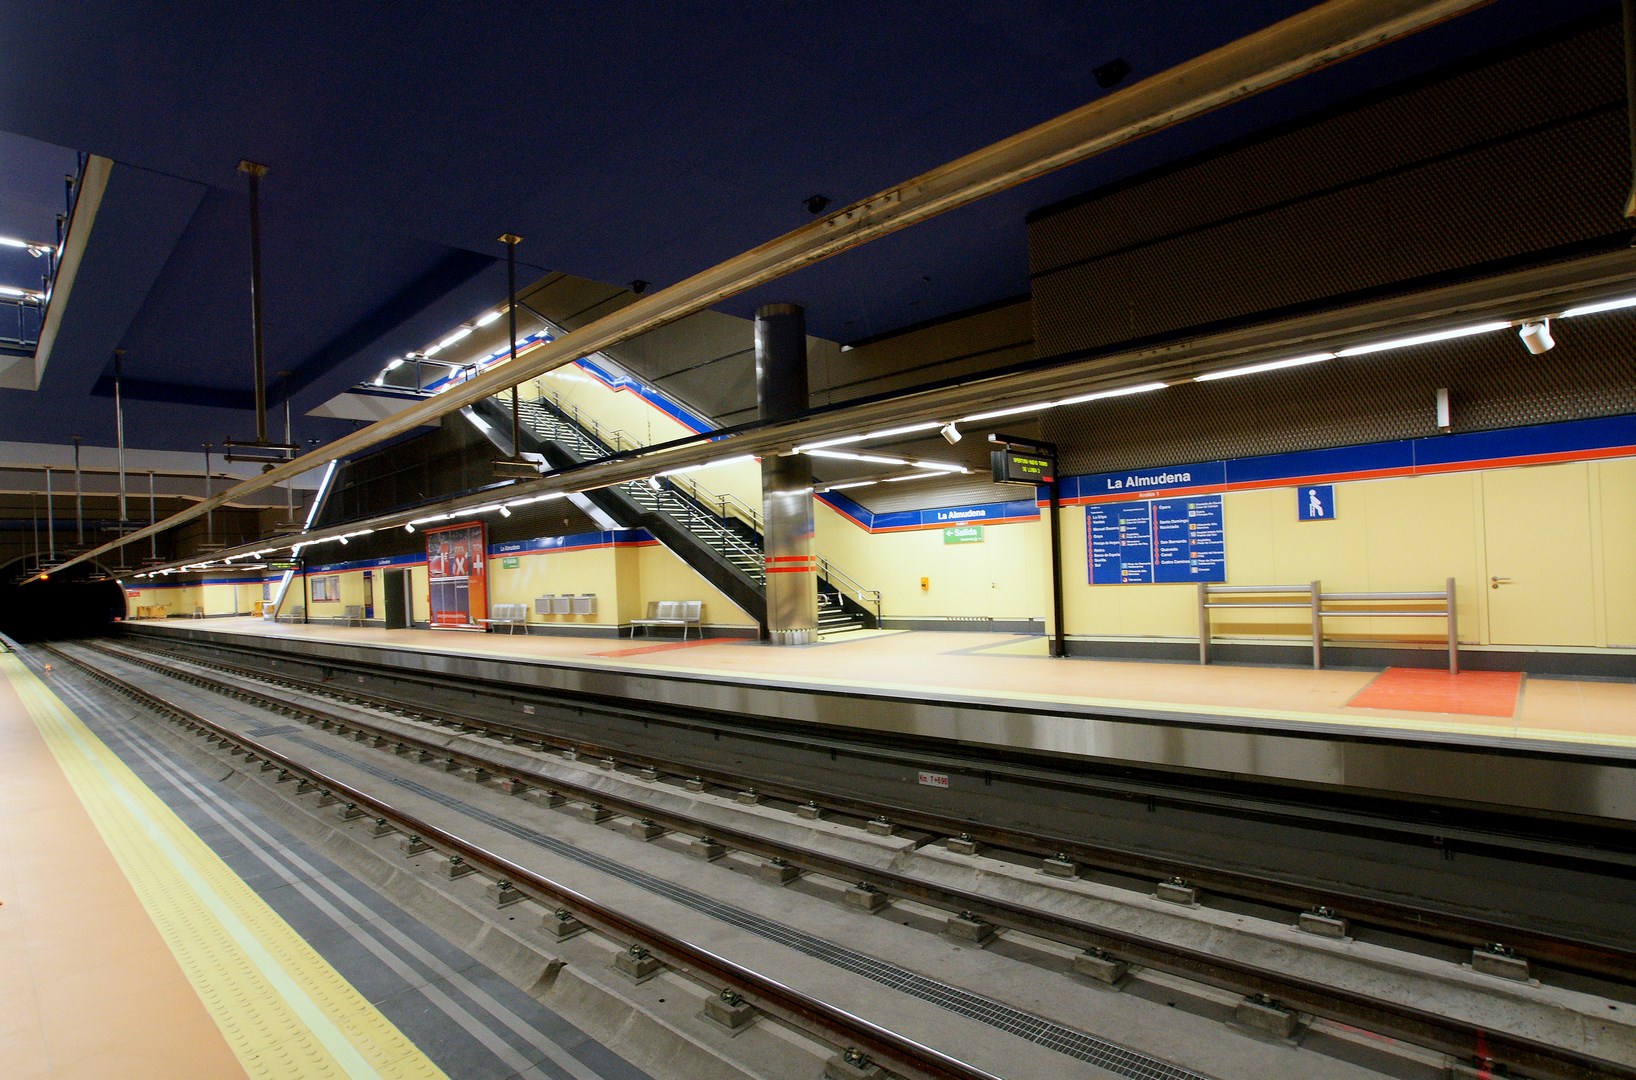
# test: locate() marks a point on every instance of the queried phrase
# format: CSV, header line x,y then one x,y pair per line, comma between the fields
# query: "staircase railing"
x,y
682,497
836,576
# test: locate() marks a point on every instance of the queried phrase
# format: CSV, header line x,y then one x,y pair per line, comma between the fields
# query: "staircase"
x,y
726,528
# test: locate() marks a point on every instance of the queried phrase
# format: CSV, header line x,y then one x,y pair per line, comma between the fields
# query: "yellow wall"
x,y
1616,543
1007,576
1563,534
662,576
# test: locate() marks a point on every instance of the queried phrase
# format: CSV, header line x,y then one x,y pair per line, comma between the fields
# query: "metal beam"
x,y
1287,50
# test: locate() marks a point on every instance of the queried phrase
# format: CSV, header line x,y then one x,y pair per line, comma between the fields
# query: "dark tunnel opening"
x,y
82,601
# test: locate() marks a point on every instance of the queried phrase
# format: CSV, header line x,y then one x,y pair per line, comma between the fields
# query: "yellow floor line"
x,y
284,1011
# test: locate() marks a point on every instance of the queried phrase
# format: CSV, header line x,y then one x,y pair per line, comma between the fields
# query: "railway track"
x,y
505,753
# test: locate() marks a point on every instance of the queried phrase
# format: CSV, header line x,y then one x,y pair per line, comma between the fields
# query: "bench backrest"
x,y
670,609
510,613
355,611
692,610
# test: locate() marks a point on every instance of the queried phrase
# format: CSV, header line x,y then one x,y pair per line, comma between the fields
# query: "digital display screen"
x,y
1021,467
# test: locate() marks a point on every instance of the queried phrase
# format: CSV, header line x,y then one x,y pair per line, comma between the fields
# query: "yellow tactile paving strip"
x,y
997,666
283,1011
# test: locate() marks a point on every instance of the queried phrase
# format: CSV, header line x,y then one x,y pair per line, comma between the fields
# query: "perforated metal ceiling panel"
x,y
1493,383
1515,159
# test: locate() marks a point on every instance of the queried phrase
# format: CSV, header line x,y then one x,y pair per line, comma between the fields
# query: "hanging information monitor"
x,y
1021,467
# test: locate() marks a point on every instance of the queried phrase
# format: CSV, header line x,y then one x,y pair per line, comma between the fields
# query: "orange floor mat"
x,y
1470,693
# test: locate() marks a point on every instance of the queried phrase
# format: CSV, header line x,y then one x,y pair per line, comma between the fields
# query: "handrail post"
x,y
1454,631
1204,624
1317,626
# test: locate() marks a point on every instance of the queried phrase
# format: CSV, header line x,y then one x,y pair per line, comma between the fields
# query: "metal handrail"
x,y
1317,603
833,573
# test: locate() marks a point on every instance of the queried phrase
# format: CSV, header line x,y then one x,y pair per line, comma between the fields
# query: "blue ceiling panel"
x,y
621,143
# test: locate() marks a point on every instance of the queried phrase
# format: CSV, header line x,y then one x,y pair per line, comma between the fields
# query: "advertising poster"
x,y
455,565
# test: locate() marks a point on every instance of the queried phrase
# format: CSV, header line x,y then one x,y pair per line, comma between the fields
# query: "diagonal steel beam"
x,y
1314,39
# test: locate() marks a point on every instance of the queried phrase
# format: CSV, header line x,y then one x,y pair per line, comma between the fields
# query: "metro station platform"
x,y
1472,706
1530,744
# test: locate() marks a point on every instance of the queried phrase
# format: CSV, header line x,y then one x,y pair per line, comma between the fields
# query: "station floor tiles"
x,y
1012,667
153,925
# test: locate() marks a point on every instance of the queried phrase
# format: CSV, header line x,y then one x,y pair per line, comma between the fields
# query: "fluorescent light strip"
x,y
1271,365
844,455
1139,388
318,499
463,332
848,484
906,429
940,466
995,414
911,476
1600,305
1423,339
734,460
486,319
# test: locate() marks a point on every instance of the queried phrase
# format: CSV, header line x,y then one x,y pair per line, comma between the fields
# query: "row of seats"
x,y
682,613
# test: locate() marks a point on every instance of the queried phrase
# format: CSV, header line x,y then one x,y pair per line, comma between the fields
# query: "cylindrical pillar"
x,y
786,482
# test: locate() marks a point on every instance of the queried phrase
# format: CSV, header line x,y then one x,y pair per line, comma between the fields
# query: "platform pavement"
x,y
1014,668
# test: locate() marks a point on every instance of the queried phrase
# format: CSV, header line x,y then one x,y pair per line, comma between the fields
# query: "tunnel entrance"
x,y
81,601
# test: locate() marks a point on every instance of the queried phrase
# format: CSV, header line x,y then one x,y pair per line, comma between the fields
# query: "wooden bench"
x,y
509,616
682,613
293,613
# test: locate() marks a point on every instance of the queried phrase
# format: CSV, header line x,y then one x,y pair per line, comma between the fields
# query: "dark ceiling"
x,y
621,142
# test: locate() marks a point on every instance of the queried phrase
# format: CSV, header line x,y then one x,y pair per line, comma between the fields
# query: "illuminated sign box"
x,y
1021,467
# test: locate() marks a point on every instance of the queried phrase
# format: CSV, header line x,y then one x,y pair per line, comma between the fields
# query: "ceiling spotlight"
x,y
815,203
505,511
1537,336
653,482
408,527
950,433
343,540
638,286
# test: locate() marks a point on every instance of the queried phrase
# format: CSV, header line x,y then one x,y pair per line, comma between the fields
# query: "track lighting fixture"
x,y
1537,336
950,433
815,204
409,527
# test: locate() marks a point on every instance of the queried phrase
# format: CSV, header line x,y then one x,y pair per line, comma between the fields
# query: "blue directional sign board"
x,y
1315,502
1157,541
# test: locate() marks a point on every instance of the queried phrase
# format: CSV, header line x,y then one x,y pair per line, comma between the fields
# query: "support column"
x,y
786,482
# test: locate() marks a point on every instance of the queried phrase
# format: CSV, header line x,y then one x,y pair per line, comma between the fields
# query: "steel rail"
x,y
1394,1019
1285,51
1444,927
820,1018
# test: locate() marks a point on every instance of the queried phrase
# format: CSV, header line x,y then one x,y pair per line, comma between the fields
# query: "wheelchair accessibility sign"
x,y
1315,503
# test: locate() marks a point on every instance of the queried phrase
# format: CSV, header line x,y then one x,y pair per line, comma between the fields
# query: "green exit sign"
x,y
509,563
963,534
